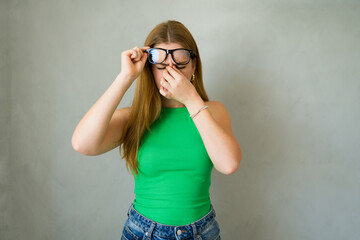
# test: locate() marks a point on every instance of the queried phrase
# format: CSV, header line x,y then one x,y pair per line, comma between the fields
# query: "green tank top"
x,y
174,178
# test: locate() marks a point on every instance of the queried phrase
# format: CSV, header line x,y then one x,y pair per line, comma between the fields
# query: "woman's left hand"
x,y
174,85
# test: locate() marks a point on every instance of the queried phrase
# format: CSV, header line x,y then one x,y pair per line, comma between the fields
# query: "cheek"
x,y
157,73
157,77
186,72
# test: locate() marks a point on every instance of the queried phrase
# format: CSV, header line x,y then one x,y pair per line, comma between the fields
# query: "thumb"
x,y
144,57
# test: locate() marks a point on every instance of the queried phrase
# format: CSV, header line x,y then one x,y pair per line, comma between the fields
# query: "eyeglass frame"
x,y
192,54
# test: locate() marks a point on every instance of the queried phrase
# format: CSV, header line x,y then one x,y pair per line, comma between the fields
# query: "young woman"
x,y
171,137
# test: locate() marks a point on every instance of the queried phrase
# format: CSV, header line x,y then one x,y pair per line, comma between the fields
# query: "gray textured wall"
x,y
287,71
5,108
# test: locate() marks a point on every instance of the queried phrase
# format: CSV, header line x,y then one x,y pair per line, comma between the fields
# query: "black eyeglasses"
x,y
181,56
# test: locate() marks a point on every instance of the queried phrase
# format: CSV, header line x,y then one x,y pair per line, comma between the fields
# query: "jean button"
x,y
146,233
179,232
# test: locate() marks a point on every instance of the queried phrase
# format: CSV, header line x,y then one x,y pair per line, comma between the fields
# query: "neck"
x,y
170,103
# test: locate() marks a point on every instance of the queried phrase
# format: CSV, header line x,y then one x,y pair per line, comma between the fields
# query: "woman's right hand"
x,y
133,62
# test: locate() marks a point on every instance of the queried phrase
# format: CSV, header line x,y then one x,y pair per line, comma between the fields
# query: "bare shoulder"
x,y
216,107
220,114
124,112
120,118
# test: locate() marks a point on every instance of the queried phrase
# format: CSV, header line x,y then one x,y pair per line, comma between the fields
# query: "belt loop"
x,y
195,231
212,207
149,232
128,212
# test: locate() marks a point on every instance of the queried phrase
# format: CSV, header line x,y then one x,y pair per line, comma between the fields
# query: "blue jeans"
x,y
138,227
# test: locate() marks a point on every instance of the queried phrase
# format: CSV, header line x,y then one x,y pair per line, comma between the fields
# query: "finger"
x,y
139,49
138,53
128,53
168,77
173,72
163,91
177,70
164,83
144,57
133,54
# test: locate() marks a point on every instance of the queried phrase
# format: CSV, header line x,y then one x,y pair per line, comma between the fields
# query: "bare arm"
x,y
213,123
91,131
214,126
100,129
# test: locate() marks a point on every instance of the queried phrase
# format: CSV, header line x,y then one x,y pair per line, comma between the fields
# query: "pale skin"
x,y
176,90
213,123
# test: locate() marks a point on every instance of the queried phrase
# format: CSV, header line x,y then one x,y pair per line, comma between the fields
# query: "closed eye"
x,y
175,66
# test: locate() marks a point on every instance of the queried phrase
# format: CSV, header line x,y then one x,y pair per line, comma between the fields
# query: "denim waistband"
x,y
152,227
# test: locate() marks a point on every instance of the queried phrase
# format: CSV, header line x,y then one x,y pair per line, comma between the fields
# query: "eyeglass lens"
x,y
180,56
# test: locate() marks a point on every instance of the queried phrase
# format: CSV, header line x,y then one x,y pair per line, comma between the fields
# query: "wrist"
x,y
125,76
194,104
124,79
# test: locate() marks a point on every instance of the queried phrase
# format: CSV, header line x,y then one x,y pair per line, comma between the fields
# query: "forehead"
x,y
168,45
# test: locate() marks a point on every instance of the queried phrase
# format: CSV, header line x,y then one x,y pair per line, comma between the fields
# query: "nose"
x,y
169,61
